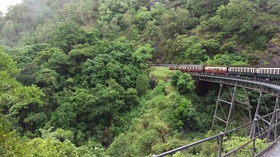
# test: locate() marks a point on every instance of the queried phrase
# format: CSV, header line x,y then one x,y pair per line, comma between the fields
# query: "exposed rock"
x,y
272,52
274,61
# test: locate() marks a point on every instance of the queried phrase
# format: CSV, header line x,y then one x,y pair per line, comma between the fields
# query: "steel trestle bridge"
x,y
264,125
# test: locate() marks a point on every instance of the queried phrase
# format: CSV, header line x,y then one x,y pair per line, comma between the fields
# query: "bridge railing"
x,y
221,136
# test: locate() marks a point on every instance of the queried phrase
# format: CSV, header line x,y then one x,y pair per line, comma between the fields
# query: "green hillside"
x,y
74,76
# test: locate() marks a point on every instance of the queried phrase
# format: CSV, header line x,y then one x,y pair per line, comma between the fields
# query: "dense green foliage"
x,y
74,76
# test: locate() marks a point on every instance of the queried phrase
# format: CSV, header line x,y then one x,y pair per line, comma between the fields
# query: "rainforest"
x,y
75,77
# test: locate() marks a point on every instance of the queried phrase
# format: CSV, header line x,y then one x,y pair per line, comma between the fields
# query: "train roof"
x,y
190,65
254,66
240,66
268,66
216,66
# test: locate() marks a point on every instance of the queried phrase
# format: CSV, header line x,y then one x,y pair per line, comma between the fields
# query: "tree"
x,y
6,63
27,74
190,49
142,85
114,69
184,82
59,62
199,8
47,79
184,114
177,21
65,116
9,33
68,34
10,144
228,59
237,17
142,54
17,101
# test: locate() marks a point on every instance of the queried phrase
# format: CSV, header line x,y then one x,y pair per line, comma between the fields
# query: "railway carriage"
x,y
242,71
268,71
190,68
169,66
215,69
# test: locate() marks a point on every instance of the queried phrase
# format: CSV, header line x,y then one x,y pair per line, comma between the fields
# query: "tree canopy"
x,y
75,80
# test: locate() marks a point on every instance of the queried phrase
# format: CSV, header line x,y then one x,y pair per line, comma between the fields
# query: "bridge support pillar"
x,y
266,121
255,126
226,104
273,121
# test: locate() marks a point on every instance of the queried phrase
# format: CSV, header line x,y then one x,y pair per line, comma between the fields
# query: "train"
x,y
268,72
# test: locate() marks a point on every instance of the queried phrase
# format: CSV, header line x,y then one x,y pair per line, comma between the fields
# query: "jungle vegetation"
x,y
75,81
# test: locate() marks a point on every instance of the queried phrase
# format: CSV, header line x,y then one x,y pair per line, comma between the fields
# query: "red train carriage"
x,y
215,69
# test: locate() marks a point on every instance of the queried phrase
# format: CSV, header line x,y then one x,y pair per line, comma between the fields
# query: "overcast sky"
x,y
5,3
